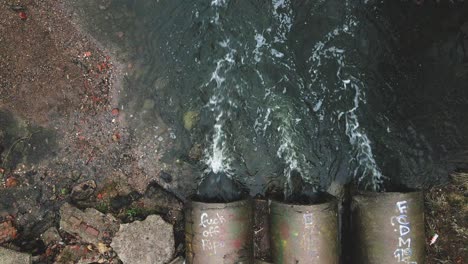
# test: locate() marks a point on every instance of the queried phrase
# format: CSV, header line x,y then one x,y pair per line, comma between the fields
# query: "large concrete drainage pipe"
x,y
303,234
388,228
219,233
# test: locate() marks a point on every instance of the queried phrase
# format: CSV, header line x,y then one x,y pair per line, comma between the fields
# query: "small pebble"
x,y
116,137
115,112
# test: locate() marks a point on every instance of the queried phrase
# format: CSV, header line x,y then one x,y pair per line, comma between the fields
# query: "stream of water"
x,y
290,94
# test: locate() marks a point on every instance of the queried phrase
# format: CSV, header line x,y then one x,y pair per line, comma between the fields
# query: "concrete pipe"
x,y
219,232
388,228
305,233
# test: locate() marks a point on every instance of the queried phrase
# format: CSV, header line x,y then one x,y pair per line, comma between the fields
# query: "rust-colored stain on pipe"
x,y
388,228
303,234
219,233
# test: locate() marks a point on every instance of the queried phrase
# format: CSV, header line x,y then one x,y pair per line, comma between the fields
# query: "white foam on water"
x,y
219,2
282,12
262,122
260,42
216,157
276,53
318,105
216,4
218,160
287,151
367,169
367,166
278,110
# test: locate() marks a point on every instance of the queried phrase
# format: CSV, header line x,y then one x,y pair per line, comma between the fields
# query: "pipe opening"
x,y
396,186
220,188
312,198
388,193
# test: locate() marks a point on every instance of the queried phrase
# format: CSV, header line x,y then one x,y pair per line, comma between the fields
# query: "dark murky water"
x,y
294,94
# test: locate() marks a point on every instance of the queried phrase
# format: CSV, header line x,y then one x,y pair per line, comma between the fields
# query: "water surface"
x,y
288,95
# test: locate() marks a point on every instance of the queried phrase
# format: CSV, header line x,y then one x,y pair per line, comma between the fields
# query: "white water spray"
x,y
216,157
367,169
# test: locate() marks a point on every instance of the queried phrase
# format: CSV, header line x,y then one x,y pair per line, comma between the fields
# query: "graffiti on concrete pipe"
x,y
305,233
388,228
402,226
219,232
307,238
211,231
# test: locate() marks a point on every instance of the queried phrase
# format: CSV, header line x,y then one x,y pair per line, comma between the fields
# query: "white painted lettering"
x,y
402,208
404,230
202,219
406,242
211,230
404,252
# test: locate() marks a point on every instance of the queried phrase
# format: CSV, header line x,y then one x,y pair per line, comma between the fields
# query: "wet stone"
x,y
90,225
336,189
51,236
145,242
8,256
196,152
158,200
120,202
83,190
165,176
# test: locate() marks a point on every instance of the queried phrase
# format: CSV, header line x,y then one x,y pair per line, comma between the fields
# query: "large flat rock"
x,y
145,242
90,225
8,256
